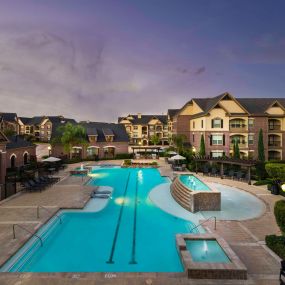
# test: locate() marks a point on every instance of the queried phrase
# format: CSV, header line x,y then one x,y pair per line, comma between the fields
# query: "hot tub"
x,y
208,256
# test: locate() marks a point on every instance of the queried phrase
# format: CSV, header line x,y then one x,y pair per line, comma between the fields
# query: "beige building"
x,y
224,119
141,128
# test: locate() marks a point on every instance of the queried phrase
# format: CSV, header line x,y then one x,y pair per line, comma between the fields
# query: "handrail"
x,y
33,234
212,217
55,214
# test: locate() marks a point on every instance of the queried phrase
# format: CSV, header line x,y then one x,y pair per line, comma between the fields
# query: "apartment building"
x,y
9,123
141,128
105,140
41,127
224,119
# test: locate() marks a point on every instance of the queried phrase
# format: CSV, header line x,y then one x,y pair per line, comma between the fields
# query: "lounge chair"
x,y
282,270
231,174
205,171
238,176
214,172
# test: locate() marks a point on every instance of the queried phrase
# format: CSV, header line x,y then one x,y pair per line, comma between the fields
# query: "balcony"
x,y
274,125
242,143
274,141
274,155
238,125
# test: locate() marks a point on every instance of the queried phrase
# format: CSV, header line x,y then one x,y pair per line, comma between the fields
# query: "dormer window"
x,y
217,123
109,138
92,138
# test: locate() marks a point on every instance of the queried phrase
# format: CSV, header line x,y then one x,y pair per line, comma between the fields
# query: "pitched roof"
x,y
36,120
102,129
3,138
8,117
25,120
172,112
145,119
18,142
259,105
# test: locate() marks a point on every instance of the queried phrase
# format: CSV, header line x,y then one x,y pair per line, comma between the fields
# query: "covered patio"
x,y
228,161
147,151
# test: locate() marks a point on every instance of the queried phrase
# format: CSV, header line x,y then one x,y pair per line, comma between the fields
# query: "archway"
x,y
13,161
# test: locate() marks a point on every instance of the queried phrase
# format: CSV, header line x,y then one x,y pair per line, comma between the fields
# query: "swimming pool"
x,y
130,234
193,183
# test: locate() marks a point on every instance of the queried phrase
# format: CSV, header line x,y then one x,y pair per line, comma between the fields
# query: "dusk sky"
x,y
98,60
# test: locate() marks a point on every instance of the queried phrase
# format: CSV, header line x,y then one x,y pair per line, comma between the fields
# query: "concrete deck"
x,y
245,237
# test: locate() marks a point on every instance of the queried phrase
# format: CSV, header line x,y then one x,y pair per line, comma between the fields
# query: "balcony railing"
x,y
274,143
274,127
238,127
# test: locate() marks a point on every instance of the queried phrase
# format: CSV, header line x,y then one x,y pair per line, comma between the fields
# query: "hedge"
x,y
279,212
277,244
276,170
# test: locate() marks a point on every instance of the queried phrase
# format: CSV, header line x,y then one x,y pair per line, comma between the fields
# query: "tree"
x,y
70,135
261,155
179,141
260,167
155,139
236,149
202,150
9,132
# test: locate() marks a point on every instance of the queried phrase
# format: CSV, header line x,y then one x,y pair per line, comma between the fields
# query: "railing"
x,y
274,143
56,215
23,228
274,127
212,217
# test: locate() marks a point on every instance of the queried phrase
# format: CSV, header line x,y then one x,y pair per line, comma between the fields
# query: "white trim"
x,y
13,154
109,146
77,147
93,146
26,152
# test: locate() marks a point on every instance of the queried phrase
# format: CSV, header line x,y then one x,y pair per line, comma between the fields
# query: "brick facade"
x,y
19,154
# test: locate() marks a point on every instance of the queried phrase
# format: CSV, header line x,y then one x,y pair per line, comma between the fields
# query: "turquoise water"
x,y
206,251
193,183
130,235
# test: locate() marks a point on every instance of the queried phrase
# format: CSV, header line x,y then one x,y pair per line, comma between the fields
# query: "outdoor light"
x,y
194,149
283,187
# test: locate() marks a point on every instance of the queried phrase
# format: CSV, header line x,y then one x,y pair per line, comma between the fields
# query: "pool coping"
x,y
235,269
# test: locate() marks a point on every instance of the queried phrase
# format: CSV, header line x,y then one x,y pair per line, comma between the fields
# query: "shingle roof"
x,y
172,112
91,131
25,120
145,119
259,105
36,120
18,142
8,117
107,132
118,130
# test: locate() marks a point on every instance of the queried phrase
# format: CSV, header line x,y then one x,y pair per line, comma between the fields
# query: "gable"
x,y
125,121
275,109
154,121
231,105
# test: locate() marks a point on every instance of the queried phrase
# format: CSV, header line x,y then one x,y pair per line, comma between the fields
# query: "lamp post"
x,y
49,150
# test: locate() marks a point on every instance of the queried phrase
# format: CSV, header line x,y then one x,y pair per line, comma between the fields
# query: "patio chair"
x,y
214,172
231,174
205,170
238,176
282,270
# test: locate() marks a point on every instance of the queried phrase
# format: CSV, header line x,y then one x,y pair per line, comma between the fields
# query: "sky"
x,y
99,59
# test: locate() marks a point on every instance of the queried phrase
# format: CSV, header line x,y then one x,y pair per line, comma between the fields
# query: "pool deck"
x,y
245,237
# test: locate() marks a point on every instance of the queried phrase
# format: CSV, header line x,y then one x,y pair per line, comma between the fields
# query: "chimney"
x,y
139,115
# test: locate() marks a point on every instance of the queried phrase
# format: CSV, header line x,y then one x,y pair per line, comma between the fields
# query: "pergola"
x,y
241,162
145,149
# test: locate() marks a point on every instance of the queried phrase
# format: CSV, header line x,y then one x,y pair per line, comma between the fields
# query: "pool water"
x,y
193,183
206,251
130,234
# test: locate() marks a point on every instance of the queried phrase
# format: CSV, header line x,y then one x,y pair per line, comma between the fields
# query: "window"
x,y
48,126
193,137
217,123
250,139
217,139
250,123
193,125
42,126
135,127
202,124
42,132
217,153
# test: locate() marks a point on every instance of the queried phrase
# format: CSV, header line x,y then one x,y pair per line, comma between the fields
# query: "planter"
x,y
275,189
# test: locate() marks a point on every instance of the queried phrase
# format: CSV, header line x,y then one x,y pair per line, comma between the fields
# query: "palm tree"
x,y
71,135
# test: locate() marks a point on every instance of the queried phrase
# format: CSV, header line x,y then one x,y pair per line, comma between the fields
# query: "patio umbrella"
x,y
171,152
177,157
51,159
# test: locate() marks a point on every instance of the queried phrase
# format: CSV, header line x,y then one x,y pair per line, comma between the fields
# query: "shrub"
x,y
276,170
127,162
154,163
124,156
277,244
263,182
279,212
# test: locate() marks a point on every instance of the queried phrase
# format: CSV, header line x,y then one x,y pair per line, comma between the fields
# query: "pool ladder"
x,y
28,231
212,217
